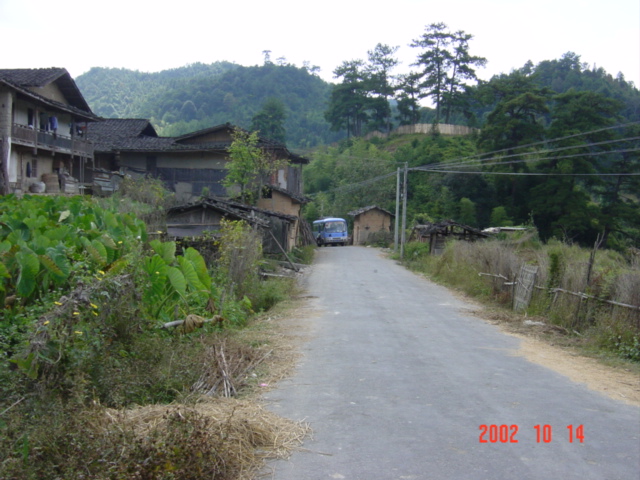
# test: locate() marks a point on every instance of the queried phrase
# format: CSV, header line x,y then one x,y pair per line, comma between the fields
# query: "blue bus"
x,y
330,231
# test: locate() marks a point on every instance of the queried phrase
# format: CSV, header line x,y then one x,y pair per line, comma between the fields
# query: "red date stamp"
x,y
544,433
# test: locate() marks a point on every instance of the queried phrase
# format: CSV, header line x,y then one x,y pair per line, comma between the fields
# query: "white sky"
x,y
153,35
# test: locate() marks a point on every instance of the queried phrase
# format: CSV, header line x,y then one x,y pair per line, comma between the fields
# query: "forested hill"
x,y
199,96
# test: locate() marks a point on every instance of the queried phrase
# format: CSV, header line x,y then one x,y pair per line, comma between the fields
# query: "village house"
x,y
43,119
277,199
52,143
369,222
189,164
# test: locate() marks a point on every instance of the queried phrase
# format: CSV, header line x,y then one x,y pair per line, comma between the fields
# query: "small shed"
x,y
438,233
193,219
369,221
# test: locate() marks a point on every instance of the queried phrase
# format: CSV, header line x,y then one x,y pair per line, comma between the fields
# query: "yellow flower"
x,y
57,303
46,323
78,332
119,242
100,272
76,313
94,305
95,313
157,273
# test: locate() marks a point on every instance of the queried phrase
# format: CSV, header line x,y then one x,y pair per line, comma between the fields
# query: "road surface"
x,y
398,380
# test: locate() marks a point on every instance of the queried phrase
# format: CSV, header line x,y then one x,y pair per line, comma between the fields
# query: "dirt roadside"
x,y
547,346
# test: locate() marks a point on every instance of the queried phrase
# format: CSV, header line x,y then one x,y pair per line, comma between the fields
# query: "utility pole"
x,y
404,209
397,229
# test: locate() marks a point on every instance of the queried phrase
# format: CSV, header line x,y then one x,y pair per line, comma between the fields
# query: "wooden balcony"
x,y
40,140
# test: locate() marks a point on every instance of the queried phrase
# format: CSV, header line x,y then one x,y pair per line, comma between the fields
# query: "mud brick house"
x,y
368,221
187,164
43,119
276,199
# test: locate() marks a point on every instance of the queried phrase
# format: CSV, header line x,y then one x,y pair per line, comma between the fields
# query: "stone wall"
x,y
426,129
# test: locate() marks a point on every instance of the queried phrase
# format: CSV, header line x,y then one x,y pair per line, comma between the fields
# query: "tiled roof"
x,y
264,142
124,133
360,211
252,215
30,78
138,135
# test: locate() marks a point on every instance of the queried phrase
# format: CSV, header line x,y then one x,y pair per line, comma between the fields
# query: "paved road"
x,y
398,376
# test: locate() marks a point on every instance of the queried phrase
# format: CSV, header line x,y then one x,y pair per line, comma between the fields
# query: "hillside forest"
x,y
556,143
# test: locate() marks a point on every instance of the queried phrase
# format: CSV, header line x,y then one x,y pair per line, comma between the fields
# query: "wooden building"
x,y
187,164
196,218
370,221
43,119
437,234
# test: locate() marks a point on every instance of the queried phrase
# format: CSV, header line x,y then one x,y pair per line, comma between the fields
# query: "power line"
x,y
546,141
530,160
470,160
538,174
478,156
445,167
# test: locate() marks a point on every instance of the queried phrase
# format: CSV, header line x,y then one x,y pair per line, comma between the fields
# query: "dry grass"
x,y
238,435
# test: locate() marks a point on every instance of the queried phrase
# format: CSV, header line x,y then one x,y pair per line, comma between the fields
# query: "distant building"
x,y
369,221
187,164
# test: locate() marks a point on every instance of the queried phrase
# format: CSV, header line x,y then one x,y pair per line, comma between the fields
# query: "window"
x,y
32,168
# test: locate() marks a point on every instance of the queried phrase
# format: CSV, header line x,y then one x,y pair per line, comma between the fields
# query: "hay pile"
x,y
217,438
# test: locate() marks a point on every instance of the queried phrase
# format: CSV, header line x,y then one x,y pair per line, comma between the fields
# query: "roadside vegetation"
x,y
582,298
127,356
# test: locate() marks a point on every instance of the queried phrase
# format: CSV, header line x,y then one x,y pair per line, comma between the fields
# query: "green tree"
x,y
499,217
446,65
516,122
250,166
381,82
349,100
408,96
434,60
563,204
467,212
269,121
461,71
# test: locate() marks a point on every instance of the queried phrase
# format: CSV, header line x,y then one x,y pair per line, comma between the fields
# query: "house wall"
x,y
370,222
25,165
50,91
290,178
282,203
193,222
186,174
